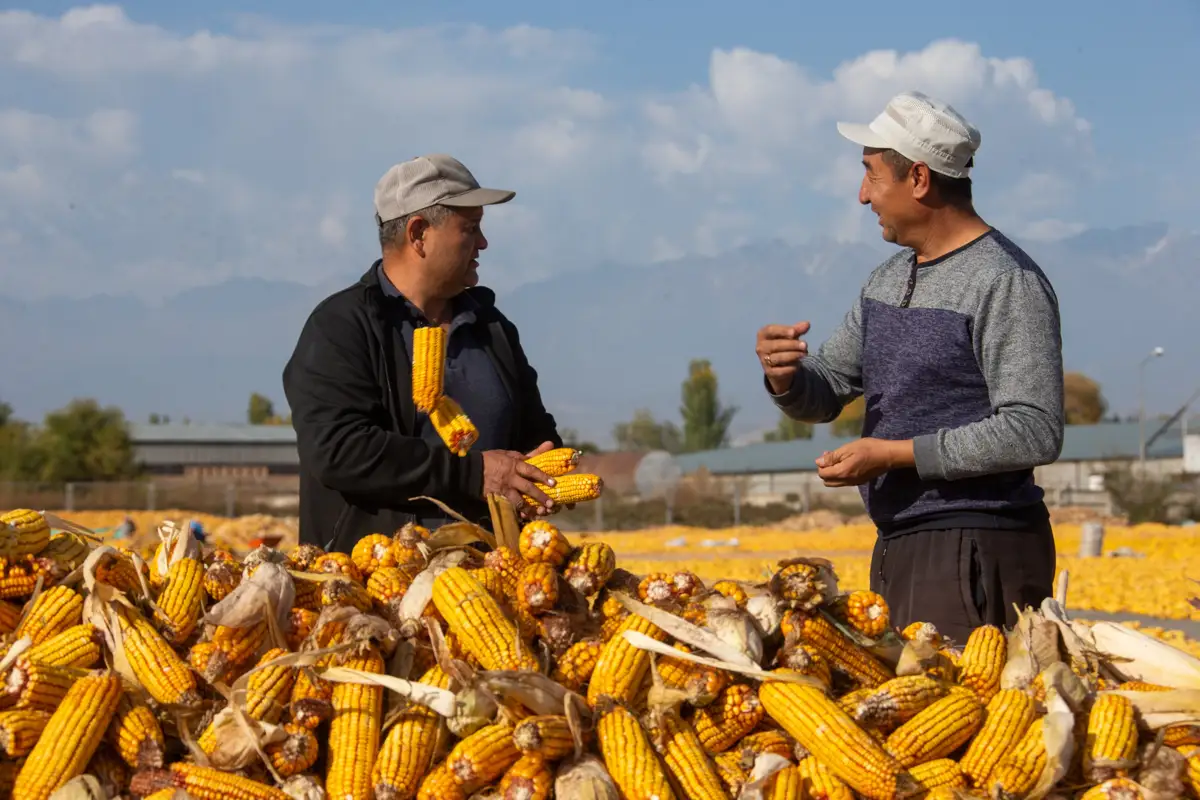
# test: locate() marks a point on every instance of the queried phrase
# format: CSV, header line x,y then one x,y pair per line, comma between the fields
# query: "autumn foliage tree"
x,y
1082,400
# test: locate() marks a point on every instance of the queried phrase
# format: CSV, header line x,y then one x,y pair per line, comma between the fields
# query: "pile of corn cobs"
x,y
425,665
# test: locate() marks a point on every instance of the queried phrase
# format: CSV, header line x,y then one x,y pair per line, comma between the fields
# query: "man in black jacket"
x,y
365,452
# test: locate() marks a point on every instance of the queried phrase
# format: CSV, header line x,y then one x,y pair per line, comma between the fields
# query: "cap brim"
x,y
479,197
862,134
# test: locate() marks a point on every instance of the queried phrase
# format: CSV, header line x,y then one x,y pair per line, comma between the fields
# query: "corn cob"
x,y
108,768
802,586
574,487
865,612
982,662
702,683
541,542
529,778
119,572
547,735
77,646
354,731
203,783
37,686
785,785
589,566
296,753
556,462
687,759
630,758
67,551
828,733
440,784
816,780
182,599
537,589
71,736
574,668
733,590
455,428
807,660
733,774
23,532
1112,739
54,610
898,700
220,578
734,713
488,634
156,666
345,593
1006,718
373,552
10,615
622,668
482,757
20,730
410,746
841,653
509,565
938,772
1115,789
338,564
406,547
1020,769
428,366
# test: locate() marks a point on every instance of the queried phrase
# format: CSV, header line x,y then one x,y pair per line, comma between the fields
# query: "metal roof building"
x,y
216,449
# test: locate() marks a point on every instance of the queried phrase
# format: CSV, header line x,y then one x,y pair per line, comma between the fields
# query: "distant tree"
x,y
159,419
1082,399
84,442
18,459
260,409
788,430
705,419
644,432
570,438
850,421
6,412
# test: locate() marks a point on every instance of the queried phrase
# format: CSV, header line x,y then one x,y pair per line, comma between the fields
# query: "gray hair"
x,y
391,233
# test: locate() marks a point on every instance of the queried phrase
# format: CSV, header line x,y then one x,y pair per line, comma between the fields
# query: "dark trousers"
x,y
962,578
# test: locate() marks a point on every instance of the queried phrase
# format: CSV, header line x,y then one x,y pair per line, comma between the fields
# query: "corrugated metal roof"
x,y
211,433
1080,443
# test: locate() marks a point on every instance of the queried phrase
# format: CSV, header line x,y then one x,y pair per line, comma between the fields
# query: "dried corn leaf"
x,y
765,767
688,633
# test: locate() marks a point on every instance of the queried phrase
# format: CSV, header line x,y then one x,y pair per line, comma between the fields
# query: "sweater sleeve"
x,y
1018,341
825,382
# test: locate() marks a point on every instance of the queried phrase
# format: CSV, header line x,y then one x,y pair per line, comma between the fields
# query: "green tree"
x,y
570,438
18,459
84,442
6,412
260,410
644,432
159,419
788,430
850,421
1083,401
705,419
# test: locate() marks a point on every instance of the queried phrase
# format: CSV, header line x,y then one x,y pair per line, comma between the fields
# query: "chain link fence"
x,y
224,498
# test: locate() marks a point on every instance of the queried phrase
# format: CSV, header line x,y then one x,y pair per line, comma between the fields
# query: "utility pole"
x,y
1155,353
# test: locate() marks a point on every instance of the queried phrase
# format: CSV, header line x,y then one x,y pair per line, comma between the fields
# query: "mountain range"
x,y
605,340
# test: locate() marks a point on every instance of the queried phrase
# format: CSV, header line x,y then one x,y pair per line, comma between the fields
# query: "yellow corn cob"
x,y
702,683
236,647
589,566
541,542
489,635
410,746
220,578
547,735
687,760
77,646
182,600
938,772
482,757
493,582
336,563
735,712
38,686
440,784
574,667
1115,789
818,781
807,660
308,594
574,487
509,565
529,778
982,662
802,586
354,731
456,429
68,551
630,758
1178,735
865,612
388,584
135,733
937,730
345,593
733,774
23,532
20,730
836,648
71,736
119,572
784,785
296,753
1112,739
733,590
268,692
537,589
827,732
1020,769
406,547
203,783
10,615
1006,718
302,557
556,462
312,696
156,666
898,700
1191,775
622,669
372,552
54,610
428,366
1140,686
300,624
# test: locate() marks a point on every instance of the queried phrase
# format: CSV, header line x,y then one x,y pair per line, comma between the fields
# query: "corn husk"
x,y
1136,656
1032,647
81,787
304,787
764,769
685,631
585,778
1058,737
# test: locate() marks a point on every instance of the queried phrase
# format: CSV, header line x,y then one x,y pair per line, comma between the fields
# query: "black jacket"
x,y
349,387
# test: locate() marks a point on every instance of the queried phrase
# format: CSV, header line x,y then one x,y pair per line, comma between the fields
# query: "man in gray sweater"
x,y
955,344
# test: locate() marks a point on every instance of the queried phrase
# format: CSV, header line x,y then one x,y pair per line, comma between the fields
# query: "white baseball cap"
x,y
921,129
431,180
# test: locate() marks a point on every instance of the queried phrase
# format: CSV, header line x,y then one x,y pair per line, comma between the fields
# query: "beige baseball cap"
x,y
921,129
425,181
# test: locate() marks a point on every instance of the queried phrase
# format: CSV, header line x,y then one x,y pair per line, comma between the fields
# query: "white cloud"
x,y
178,158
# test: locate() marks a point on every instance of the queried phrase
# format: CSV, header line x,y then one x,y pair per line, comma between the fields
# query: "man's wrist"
x,y
900,454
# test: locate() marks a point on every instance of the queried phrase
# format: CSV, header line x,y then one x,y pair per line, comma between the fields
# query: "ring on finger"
x,y
767,359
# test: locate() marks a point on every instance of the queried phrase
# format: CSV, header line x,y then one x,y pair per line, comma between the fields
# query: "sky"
x,y
150,147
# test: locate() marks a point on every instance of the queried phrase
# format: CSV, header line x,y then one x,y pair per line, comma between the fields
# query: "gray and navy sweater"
x,y
963,355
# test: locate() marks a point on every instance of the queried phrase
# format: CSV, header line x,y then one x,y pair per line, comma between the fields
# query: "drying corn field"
x,y
458,663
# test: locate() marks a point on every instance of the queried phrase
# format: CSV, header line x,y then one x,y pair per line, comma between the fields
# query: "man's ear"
x,y
415,233
919,178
